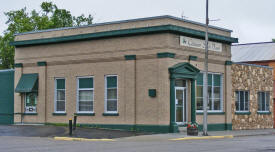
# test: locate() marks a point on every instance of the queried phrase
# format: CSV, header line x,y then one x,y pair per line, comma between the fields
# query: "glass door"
x,y
180,105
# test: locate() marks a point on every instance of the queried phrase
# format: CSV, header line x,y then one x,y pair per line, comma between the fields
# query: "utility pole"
x,y
205,76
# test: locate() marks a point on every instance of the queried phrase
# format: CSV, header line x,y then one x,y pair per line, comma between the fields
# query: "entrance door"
x,y
180,105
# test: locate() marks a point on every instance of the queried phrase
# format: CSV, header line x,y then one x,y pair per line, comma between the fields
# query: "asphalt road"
x,y
37,144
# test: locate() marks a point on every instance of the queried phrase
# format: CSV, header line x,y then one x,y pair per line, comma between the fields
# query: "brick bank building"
x,y
142,74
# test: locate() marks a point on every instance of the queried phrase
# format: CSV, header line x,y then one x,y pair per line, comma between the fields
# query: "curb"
x,y
204,137
80,139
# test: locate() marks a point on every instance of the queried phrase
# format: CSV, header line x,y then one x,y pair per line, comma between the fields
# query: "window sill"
x,y
242,113
264,112
31,114
110,114
59,114
84,114
211,113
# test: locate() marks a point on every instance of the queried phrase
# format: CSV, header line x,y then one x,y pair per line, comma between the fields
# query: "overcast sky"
x,y
250,20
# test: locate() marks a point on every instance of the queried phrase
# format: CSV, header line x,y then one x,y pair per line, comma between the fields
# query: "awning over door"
x,y
27,83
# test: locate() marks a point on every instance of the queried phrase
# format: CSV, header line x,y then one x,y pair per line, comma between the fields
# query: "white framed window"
x,y
60,95
215,92
111,92
85,94
263,101
242,101
30,102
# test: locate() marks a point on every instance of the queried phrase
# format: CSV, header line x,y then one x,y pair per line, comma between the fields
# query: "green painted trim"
x,y
127,127
152,92
193,58
228,63
31,114
130,57
193,101
264,113
18,65
211,113
59,114
42,63
217,127
84,114
110,114
128,32
242,113
166,55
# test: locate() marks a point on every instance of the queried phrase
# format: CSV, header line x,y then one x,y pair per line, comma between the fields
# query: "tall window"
x,y
242,101
214,92
263,101
111,93
85,95
60,93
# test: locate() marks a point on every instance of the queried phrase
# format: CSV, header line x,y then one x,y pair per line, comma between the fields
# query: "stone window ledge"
x,y
211,113
264,112
242,113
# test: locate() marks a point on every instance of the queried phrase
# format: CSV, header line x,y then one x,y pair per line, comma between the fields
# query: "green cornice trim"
x,y
130,57
127,127
228,63
34,114
128,32
42,63
59,114
211,113
84,114
242,113
18,65
193,58
217,127
110,114
264,112
166,55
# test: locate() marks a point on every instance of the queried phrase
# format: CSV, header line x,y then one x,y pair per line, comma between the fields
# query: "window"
x,y
85,94
242,101
111,94
30,102
263,101
60,93
214,92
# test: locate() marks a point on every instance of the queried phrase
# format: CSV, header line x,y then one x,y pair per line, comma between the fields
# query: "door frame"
x,y
184,104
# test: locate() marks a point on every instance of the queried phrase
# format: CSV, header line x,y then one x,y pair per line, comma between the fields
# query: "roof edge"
x,y
252,43
255,65
125,21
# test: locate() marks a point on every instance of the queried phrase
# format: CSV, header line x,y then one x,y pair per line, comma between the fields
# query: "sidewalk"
x,y
212,135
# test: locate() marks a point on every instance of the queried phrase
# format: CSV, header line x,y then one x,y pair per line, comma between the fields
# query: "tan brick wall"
x,y
252,79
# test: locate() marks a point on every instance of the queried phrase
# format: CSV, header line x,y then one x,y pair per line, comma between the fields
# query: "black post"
x,y
71,127
75,118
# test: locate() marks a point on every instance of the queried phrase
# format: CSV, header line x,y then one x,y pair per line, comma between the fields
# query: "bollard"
x,y
75,118
71,127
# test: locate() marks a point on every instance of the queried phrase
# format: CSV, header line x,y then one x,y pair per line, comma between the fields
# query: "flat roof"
x,y
125,21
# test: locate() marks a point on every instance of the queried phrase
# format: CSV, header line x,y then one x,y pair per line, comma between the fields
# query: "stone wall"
x,y
252,78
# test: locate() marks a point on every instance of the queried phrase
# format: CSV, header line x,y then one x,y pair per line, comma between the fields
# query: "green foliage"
x,y
50,16
273,40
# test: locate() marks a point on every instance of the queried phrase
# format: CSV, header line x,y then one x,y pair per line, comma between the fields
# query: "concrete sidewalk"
x,y
212,135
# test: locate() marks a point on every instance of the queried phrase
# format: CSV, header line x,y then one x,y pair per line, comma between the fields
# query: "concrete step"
x,y
183,129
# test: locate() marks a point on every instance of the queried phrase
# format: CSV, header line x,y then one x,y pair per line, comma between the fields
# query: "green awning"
x,y
27,83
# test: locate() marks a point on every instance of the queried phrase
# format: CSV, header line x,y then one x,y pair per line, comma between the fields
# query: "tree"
x,y
273,40
50,16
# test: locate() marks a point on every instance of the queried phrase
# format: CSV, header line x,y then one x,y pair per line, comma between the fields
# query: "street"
x,y
35,144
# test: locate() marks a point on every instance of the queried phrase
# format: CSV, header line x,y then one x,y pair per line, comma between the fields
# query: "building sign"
x,y
200,44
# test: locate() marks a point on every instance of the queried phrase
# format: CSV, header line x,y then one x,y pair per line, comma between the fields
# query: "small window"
x,y
30,102
60,93
85,95
111,94
263,101
242,101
